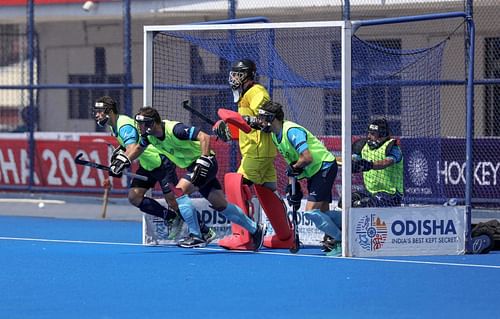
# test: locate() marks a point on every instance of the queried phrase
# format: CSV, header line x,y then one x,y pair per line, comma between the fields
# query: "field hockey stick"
x,y
187,106
80,161
296,240
105,197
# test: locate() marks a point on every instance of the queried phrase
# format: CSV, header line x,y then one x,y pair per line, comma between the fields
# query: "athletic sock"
x,y
335,216
152,207
324,223
189,214
236,215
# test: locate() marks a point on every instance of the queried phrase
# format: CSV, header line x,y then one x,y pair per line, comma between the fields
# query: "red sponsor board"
x,y
55,168
54,163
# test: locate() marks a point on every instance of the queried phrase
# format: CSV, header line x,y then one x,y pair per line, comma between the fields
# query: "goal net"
x,y
323,75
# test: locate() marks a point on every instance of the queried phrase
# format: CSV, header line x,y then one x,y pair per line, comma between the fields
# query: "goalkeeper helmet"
x,y
378,133
241,71
101,109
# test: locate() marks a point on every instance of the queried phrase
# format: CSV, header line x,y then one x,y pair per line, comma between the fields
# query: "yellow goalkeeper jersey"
x,y
255,144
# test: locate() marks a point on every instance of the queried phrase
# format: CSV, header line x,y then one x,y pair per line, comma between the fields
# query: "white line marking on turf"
x,y
434,263
70,241
30,200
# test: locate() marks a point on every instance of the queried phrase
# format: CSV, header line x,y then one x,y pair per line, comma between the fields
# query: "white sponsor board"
x,y
408,231
155,232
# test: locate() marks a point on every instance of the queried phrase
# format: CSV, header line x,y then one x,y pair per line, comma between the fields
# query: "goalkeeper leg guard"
x,y
324,223
189,214
240,196
277,215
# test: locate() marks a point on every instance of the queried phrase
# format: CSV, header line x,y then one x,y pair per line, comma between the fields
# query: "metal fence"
x,y
52,69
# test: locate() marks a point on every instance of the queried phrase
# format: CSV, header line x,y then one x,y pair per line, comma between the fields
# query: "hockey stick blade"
x,y
187,106
80,161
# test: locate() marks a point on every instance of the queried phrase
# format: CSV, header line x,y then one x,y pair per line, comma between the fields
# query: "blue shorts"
x,y
212,181
320,185
164,175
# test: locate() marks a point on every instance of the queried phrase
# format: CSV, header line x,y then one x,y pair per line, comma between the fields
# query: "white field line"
x,y
433,263
33,201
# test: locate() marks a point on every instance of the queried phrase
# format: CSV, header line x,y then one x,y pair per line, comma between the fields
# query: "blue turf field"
x,y
56,268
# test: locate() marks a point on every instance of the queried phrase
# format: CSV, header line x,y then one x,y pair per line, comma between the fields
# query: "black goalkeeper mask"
x,y
145,123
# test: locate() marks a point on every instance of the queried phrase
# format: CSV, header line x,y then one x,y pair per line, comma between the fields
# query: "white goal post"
x,y
301,64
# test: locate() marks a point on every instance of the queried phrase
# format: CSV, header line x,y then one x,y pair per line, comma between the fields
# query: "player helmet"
x,y
268,112
101,109
146,119
241,71
379,131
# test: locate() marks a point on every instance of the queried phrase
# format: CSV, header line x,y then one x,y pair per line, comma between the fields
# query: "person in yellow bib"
x,y
152,164
189,148
309,159
379,158
257,155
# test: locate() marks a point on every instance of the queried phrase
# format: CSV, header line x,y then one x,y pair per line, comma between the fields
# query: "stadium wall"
x,y
68,37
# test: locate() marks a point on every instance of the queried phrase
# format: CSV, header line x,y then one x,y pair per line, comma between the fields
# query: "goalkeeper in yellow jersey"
x,y
257,157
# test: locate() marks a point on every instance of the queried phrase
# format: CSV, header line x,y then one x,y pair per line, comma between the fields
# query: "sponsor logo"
x,y
371,232
418,168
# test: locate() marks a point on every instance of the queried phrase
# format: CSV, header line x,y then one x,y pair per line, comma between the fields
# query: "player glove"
x,y
294,200
361,165
253,122
292,171
120,162
222,131
201,170
119,150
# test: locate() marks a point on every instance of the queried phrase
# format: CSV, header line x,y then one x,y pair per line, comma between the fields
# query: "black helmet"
x,y
380,129
273,108
104,104
241,71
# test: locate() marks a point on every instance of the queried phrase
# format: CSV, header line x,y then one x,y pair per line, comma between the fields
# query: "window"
x,y
81,100
492,92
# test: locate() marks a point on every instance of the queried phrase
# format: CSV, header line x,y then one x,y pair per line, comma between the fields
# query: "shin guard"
x,y
277,214
240,195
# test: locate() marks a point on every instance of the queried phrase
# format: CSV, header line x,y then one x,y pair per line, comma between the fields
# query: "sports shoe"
x,y
210,235
174,227
336,250
258,236
327,243
192,241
